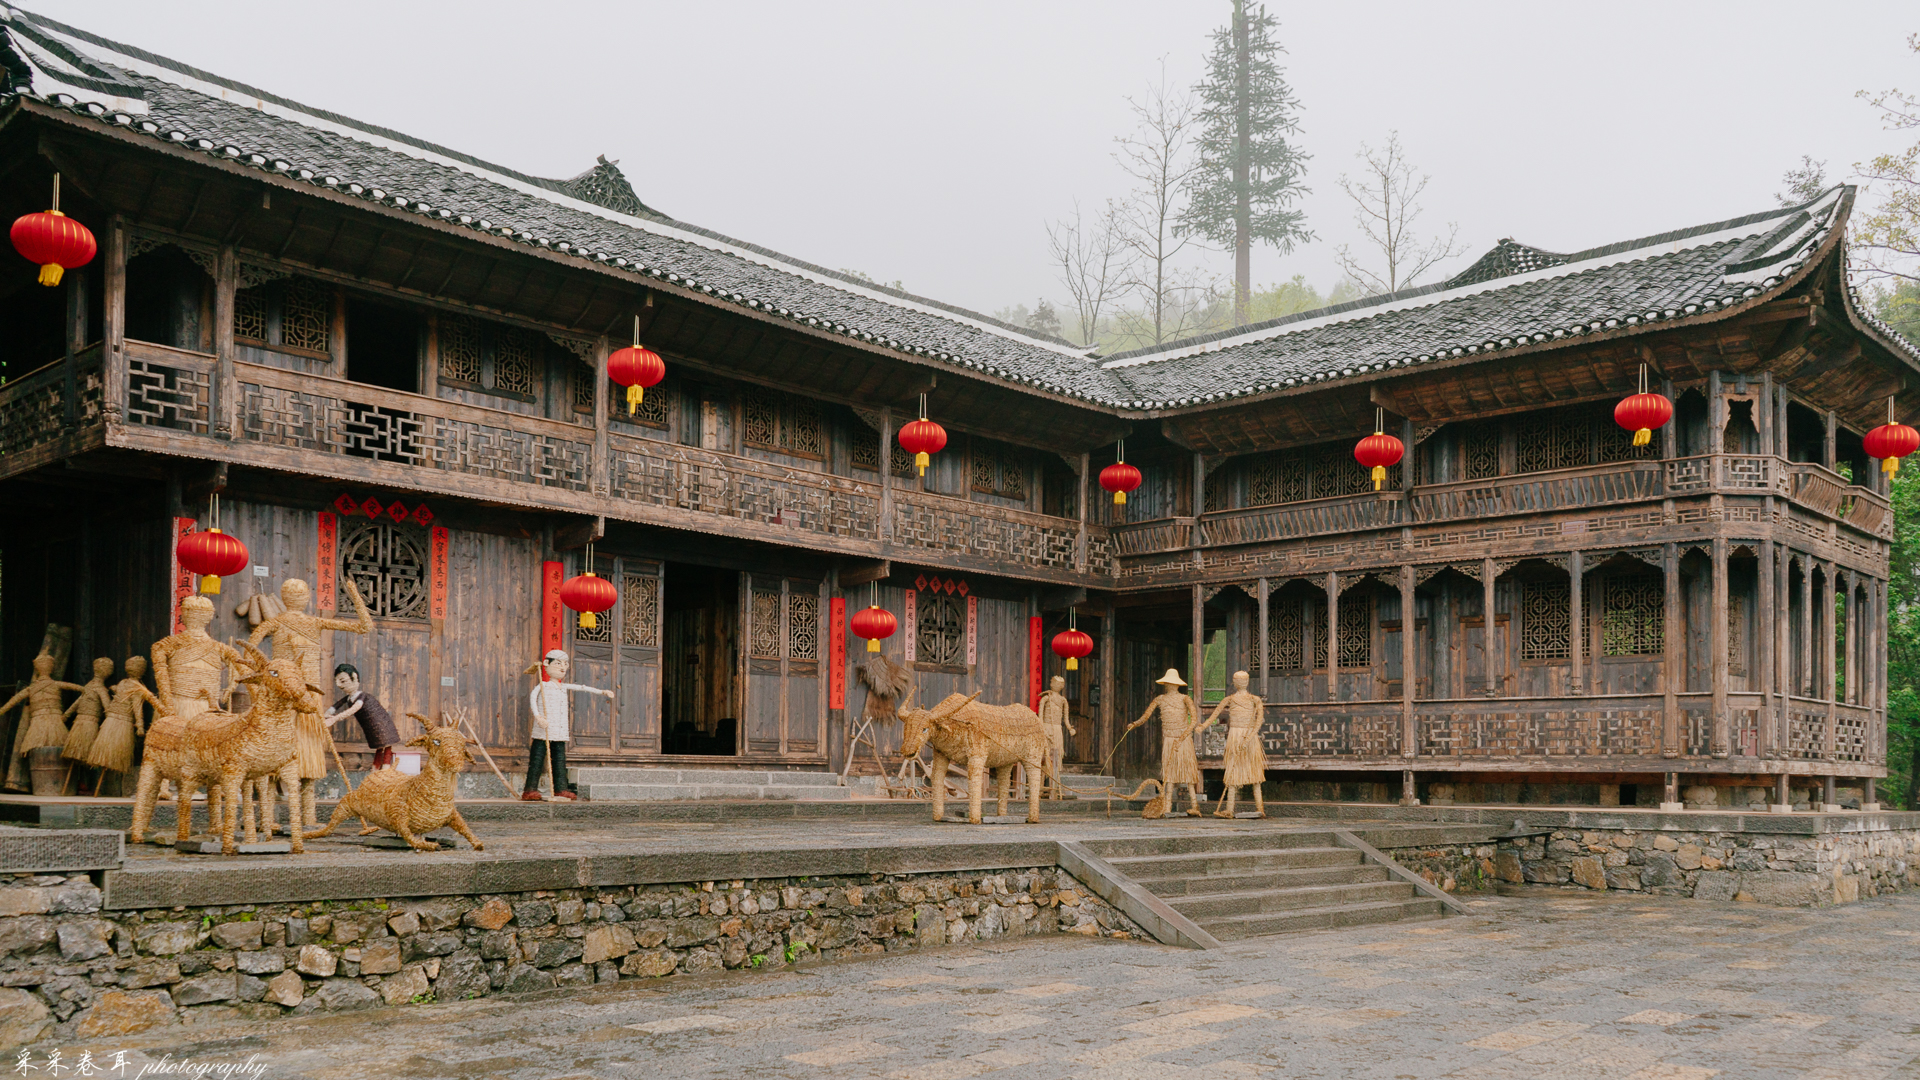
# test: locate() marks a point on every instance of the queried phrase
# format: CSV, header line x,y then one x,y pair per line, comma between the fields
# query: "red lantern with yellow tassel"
x,y
874,623
212,554
1890,442
52,239
923,438
636,368
1643,412
1379,450
1120,477
1070,645
589,594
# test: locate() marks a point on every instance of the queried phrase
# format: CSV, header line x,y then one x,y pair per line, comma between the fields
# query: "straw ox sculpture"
x,y
219,748
981,737
412,805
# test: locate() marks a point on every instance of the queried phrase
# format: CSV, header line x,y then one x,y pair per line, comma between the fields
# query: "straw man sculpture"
x,y
189,667
1246,759
44,723
296,636
1179,765
112,749
1054,713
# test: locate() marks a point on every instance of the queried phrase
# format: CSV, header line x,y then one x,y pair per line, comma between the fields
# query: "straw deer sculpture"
x,y
412,806
981,737
220,748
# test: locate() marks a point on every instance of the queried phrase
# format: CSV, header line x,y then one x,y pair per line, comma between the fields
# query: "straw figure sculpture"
x,y
224,749
112,749
45,717
412,806
1246,759
1179,765
1055,713
980,737
1156,806
295,633
87,711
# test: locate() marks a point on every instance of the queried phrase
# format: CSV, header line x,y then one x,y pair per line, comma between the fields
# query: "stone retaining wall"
x,y
1452,867
69,969
1786,870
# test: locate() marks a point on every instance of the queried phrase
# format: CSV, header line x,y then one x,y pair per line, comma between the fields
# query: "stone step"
x,y
1212,884
1241,862
616,774
1239,927
1201,843
630,792
1298,898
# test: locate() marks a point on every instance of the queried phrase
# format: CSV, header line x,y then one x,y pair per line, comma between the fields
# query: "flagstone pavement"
x,y
1571,986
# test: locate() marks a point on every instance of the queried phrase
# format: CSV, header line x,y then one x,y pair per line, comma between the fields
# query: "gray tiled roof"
x,y
1514,295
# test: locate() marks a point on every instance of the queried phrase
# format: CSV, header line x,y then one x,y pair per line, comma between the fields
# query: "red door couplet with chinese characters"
x,y
552,615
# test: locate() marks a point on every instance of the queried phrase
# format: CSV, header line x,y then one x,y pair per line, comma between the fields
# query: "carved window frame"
x,y
940,632
1546,620
389,563
998,470
286,314
794,426
1633,615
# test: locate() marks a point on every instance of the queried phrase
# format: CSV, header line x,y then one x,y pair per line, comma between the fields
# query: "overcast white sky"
x,y
931,143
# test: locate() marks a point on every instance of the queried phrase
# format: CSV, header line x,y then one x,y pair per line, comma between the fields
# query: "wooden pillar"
x,y
1669,432
1406,463
1109,646
114,364
1782,444
1826,448
1198,675
1763,642
76,340
1671,670
1853,666
1829,799
886,474
1809,680
1333,636
1409,737
602,468
226,281
1263,598
1199,493
1576,570
1717,650
1829,657
1080,547
1495,656
1782,646
1716,414
1764,415
1670,798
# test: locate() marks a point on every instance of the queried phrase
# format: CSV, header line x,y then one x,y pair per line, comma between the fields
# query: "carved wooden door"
x,y
622,653
785,709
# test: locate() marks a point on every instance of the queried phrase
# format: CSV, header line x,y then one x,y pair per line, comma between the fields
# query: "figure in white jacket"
x,y
551,713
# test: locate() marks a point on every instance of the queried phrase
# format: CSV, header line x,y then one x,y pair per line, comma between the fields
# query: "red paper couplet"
x,y
437,572
181,577
837,653
553,620
327,534
1033,661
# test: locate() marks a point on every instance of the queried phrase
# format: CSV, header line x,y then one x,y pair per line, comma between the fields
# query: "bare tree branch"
x,y
1158,156
1886,243
1091,259
1386,203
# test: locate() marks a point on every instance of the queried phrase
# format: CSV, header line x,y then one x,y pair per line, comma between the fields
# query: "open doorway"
x,y
701,660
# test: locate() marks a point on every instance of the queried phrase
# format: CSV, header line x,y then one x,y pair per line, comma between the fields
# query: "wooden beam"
x,y
577,533
860,573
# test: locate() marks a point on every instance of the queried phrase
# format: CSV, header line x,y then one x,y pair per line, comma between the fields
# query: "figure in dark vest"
x,y
375,722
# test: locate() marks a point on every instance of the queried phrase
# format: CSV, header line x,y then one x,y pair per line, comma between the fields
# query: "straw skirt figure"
x,y
87,712
1178,762
1245,757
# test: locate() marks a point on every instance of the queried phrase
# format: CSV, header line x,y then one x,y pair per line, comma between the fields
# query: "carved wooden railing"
x,y
954,526
1522,730
1819,488
724,486
1313,517
169,387
33,411
1152,537
331,416
1535,493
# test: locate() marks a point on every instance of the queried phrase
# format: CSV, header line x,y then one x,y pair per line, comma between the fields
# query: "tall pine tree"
x,y
1249,174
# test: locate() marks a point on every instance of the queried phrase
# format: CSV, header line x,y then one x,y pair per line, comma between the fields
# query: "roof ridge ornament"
x,y
1506,259
605,185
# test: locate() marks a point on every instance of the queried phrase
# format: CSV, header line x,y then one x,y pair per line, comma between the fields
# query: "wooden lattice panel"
x,y
640,610
306,315
516,353
1633,617
803,624
250,314
1327,733
940,629
764,641
460,349
1356,631
388,563
1806,734
168,397
1546,620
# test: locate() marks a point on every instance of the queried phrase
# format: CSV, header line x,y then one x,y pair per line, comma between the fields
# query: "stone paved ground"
x,y
1561,986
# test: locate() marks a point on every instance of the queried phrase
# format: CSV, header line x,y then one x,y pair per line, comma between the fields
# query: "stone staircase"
x,y
615,783
1242,885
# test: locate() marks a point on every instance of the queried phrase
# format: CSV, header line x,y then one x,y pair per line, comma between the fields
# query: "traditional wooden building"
x,y
389,360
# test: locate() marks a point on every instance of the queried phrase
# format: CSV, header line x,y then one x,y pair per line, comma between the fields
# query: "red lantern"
x,y
1890,442
873,623
1379,450
636,368
589,595
52,239
923,438
1120,477
213,555
1642,412
1071,645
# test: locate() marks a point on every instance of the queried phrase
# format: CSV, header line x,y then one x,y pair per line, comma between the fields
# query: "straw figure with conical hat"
x,y
1179,765
1246,760
86,712
45,720
981,737
112,749
296,636
228,750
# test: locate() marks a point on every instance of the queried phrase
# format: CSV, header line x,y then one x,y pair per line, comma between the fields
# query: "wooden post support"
x,y
1716,414
1109,645
1782,796
1763,410
1782,645
1671,671
1829,798
1808,680
76,340
1489,634
1763,641
1853,668
1080,545
1409,790
113,392
1406,462
1409,736
886,474
1333,636
602,479
1827,447
1198,675
1265,660
1669,432
1670,798
1717,638
1576,619
1829,684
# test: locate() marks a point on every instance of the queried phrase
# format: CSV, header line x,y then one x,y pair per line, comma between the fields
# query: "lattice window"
x,y
600,634
1480,451
803,624
1736,634
1356,631
1616,444
999,470
640,610
389,565
802,431
583,388
1216,491
1559,439
250,314
656,405
863,452
760,422
1335,472
1633,615
1276,478
1286,645
941,630
900,462
514,355
306,315
764,642
460,349
1546,620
